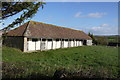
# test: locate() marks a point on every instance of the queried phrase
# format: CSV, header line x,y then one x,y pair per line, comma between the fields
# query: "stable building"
x,y
33,36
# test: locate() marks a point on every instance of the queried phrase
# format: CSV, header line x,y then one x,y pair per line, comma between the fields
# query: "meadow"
x,y
89,61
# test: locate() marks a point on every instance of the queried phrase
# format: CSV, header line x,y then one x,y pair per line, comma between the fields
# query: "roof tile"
x,y
42,30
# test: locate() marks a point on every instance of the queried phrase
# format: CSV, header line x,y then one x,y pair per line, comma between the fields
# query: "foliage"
x,y
94,41
26,9
112,38
105,40
102,41
99,61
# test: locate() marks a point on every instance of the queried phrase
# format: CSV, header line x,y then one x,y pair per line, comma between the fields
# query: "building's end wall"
x,y
89,42
15,42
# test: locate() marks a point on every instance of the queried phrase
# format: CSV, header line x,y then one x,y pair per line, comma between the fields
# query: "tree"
x,y
102,41
93,38
28,9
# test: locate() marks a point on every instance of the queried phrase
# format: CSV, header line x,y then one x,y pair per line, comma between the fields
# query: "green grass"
x,y
101,59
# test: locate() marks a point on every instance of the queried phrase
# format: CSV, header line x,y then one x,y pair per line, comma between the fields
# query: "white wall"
x,y
43,45
65,44
89,42
47,45
31,46
80,43
72,44
54,44
69,43
62,44
75,43
58,44
38,45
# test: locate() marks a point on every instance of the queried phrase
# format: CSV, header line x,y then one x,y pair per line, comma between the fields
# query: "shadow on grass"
x,y
60,75
43,77
12,72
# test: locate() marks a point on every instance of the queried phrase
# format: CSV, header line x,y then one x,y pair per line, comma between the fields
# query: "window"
x,y
66,39
62,39
70,40
49,39
34,40
77,39
43,39
57,39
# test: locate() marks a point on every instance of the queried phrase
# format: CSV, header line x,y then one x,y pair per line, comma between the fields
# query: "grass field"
x,y
101,61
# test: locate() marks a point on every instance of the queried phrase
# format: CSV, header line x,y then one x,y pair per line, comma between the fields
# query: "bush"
x,y
102,41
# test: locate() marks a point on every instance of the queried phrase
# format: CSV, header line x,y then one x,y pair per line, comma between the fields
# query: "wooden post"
x,y
52,44
61,43
46,44
68,43
76,42
27,44
40,44
56,44
35,45
73,42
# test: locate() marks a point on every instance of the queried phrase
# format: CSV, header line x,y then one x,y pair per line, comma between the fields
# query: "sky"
x,y
99,18
63,0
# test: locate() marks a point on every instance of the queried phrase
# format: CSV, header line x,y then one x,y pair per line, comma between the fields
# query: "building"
x,y
33,36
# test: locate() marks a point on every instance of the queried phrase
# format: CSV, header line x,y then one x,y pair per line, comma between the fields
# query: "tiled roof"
x,y
42,30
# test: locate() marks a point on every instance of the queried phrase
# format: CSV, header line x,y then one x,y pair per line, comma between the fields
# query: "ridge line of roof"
x,y
56,26
16,27
26,28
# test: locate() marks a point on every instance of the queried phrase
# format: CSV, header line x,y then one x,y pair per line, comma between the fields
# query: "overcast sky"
x,y
99,18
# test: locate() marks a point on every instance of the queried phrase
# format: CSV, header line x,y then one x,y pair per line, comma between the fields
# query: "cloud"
x,y
103,29
115,20
90,15
78,14
80,0
104,25
96,15
98,28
